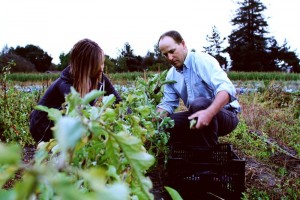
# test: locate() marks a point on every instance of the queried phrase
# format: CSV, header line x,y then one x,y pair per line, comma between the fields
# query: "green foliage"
x,y
14,106
131,76
33,77
96,163
99,152
268,134
257,194
110,65
263,76
64,61
10,159
248,142
173,193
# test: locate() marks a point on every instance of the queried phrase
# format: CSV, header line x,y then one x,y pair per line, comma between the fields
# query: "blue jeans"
x,y
222,124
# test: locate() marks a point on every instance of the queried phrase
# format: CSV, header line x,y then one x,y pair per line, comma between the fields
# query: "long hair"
x,y
173,34
85,65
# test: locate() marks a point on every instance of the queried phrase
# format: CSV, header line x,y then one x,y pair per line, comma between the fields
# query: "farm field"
x,y
267,136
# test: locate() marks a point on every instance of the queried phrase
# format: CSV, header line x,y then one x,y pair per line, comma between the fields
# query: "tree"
x,y
248,42
160,63
215,48
5,50
127,61
34,54
148,60
21,64
64,61
250,48
110,65
284,58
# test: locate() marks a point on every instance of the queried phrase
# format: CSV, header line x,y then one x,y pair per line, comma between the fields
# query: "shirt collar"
x,y
180,70
187,60
185,63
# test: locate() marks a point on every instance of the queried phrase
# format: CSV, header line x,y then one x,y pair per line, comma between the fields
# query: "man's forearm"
x,y
222,98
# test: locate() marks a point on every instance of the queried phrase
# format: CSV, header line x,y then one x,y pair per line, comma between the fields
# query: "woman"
x,y
84,73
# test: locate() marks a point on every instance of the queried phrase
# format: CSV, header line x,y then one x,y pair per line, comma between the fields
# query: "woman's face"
x,y
100,71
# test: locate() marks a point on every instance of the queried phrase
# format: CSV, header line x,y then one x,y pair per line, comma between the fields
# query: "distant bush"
x,y
22,65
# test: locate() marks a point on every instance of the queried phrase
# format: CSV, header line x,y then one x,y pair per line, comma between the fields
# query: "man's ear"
x,y
183,43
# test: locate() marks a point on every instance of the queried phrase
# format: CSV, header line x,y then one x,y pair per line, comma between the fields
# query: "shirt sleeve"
x,y
215,76
170,100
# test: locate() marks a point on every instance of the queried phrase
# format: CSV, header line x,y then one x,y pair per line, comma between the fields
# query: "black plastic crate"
x,y
205,173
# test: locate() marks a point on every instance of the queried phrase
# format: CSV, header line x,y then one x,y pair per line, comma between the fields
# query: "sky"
x,y
56,25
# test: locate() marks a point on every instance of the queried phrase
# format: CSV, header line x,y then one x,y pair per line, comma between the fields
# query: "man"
x,y
204,89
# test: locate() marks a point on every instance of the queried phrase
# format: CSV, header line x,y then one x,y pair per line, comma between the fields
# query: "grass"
x,y
130,76
268,138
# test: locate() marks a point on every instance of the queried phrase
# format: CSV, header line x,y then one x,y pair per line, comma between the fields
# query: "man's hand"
x,y
203,118
163,113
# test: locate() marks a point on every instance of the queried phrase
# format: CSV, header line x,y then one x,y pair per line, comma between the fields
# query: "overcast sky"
x,y
56,25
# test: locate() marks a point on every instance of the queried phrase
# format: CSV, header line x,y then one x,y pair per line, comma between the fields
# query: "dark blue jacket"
x,y
54,97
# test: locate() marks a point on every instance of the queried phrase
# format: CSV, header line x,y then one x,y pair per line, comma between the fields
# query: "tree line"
x,y
250,48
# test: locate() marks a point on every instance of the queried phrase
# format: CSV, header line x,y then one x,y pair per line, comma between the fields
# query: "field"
x,y
267,136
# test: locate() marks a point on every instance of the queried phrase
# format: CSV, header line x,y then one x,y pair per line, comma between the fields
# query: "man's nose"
x,y
170,57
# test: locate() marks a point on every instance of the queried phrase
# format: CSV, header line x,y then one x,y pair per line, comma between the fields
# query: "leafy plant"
x,y
98,151
14,106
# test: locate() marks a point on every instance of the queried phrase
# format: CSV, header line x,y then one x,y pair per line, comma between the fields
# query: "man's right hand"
x,y
162,113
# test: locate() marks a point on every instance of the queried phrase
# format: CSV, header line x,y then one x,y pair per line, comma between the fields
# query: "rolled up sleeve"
x,y
170,100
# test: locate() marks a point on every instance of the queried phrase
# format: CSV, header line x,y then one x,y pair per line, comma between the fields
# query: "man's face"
x,y
174,52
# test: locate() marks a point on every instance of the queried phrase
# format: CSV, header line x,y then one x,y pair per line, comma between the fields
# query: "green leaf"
x,y
92,96
139,161
94,113
8,194
113,152
27,186
135,120
10,154
108,115
96,177
68,131
7,172
64,187
53,114
192,123
173,193
168,82
144,110
139,131
115,191
108,100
